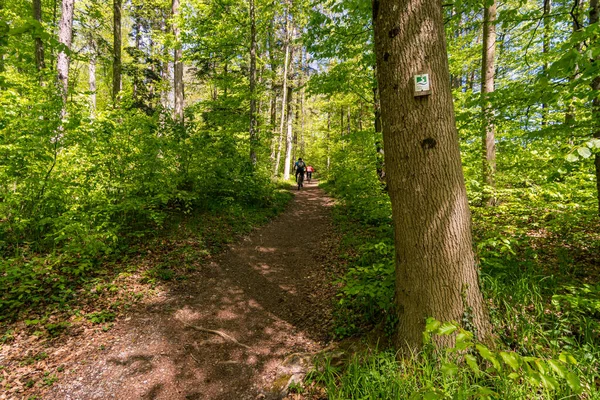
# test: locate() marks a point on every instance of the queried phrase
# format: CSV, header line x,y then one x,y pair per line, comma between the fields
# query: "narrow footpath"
x,y
224,332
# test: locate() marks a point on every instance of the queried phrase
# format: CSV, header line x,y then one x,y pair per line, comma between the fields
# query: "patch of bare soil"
x,y
225,331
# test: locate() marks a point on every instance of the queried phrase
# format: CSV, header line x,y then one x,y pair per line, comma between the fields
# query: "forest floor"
x,y
269,296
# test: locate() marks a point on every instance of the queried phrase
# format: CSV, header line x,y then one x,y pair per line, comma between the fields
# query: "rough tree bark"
x,y
436,274
487,112
178,95
65,36
116,49
39,45
253,132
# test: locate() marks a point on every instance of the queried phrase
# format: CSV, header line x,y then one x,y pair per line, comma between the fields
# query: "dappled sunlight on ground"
x,y
223,332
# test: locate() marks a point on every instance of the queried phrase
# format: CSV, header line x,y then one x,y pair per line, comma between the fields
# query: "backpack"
x,y
300,165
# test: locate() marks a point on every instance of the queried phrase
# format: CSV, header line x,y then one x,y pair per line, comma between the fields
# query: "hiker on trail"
x,y
300,167
309,171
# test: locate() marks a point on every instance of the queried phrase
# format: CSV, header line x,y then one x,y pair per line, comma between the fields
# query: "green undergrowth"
x,y
38,287
539,274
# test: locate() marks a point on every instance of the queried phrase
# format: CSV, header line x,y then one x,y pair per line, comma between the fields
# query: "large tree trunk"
x,y
436,274
65,36
178,95
594,13
253,132
487,112
39,45
283,93
116,49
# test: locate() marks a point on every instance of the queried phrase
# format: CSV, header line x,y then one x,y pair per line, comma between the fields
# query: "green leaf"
x,y
510,359
584,152
514,376
567,358
449,369
541,366
463,340
534,377
432,325
447,328
488,355
572,157
472,363
549,382
574,383
558,368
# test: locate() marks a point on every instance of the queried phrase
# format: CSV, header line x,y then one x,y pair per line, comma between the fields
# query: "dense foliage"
x,y
88,174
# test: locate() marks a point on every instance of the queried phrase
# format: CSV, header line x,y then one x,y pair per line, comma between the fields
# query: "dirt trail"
x,y
265,291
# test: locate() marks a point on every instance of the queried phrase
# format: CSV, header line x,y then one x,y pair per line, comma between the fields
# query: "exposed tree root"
x,y
214,332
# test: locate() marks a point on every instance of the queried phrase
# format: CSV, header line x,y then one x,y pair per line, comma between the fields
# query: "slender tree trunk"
x,y
487,87
253,133
328,142
116,49
273,92
138,42
436,274
65,36
546,49
577,26
178,95
289,136
284,92
92,82
39,45
348,119
593,19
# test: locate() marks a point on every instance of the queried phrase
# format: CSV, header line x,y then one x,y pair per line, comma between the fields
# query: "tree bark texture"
x,y
116,49
39,45
436,274
488,69
65,36
253,124
178,95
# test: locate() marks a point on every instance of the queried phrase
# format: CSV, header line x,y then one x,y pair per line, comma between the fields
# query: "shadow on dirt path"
x,y
270,292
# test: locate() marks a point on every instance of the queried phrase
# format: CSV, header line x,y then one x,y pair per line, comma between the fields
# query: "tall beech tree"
x,y
177,66
488,70
117,66
39,45
284,90
436,274
253,122
65,37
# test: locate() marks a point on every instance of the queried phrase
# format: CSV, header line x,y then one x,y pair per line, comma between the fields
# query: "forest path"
x,y
270,291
